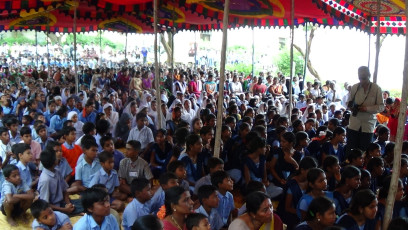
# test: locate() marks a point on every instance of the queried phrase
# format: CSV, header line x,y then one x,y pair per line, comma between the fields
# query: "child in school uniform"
x,y
70,151
14,201
62,163
25,133
178,168
46,218
24,157
214,164
43,137
223,182
140,205
197,221
52,186
193,163
108,146
167,180
132,167
5,147
207,194
97,207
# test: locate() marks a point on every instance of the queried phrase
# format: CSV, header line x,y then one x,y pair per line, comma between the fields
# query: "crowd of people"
x,y
324,163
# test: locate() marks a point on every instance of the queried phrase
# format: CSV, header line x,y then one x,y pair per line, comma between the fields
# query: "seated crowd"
x,y
292,167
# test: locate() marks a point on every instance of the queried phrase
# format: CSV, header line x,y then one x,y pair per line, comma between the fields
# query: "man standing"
x,y
365,102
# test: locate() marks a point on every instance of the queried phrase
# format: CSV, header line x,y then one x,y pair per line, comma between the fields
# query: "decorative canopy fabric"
x,y
136,16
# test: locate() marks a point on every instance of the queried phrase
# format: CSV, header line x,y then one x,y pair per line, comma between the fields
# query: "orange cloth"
x,y
72,156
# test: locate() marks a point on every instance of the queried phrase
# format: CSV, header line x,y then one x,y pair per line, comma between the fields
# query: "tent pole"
x,y
126,46
48,50
369,49
292,34
220,107
377,45
100,47
195,51
253,51
306,53
75,51
156,69
36,48
398,143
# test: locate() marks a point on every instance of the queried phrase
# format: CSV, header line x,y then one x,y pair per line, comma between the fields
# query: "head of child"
x,y
89,147
161,136
12,174
52,106
389,150
298,126
59,136
102,127
316,179
141,119
106,160
132,149
231,122
383,192
310,124
148,222
333,124
226,132
4,135
376,166
323,210
12,125
339,135
222,181
350,177
373,150
168,180
404,168
206,133
257,146
364,204
207,195
331,165
89,128
42,131
215,164
22,152
141,189
26,120
305,165
56,147
107,144
96,203
302,139
287,140
42,212
25,133
177,167
197,221
244,129
48,159
383,133
69,134
356,158
194,144
254,186
365,179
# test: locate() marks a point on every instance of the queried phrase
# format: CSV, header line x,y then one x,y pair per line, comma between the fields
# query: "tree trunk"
x,y
54,38
167,46
312,70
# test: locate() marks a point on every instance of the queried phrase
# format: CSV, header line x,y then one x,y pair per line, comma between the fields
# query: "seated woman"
x,y
161,152
178,205
320,215
362,211
193,163
259,214
349,183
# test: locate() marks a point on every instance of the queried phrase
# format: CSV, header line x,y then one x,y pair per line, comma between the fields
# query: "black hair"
x,y
102,126
205,191
58,135
365,173
214,162
361,199
300,136
349,172
329,161
255,143
289,137
398,223
105,139
254,186
28,117
230,119
206,129
67,130
180,135
88,127
296,124
25,130
338,131
335,122
172,196
135,144
48,158
389,148
138,184
10,121
3,130
140,116
19,148
381,130
372,146
51,145
260,129
386,183
162,131
174,165
354,154
254,201
39,127
318,205
63,109
92,195
218,177
191,140
193,220
374,162
37,207
8,169
105,156
166,177
88,141
312,175
247,120
148,222
243,126
307,163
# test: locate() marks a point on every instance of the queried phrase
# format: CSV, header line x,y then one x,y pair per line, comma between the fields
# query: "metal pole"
x,y
398,140
36,48
220,107
156,70
292,34
377,52
75,51
253,51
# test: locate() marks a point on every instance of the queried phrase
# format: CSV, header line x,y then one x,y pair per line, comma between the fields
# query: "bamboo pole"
x,y
75,51
398,144
100,48
48,50
36,48
292,34
220,107
306,53
156,70
253,52
369,50
377,45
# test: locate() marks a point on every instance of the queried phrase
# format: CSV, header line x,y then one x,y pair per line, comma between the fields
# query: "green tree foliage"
x,y
282,61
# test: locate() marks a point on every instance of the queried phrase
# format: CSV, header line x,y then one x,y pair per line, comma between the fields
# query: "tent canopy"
x,y
136,16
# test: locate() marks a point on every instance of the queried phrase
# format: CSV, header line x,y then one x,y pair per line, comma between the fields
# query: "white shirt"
x,y
144,136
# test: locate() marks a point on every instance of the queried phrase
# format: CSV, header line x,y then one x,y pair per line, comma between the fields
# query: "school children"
x,y
46,218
